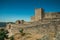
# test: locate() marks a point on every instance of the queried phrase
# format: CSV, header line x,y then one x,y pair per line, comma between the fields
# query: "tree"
x,y
21,31
3,34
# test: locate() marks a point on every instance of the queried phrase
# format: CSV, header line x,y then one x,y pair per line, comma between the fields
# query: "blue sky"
x,y
12,10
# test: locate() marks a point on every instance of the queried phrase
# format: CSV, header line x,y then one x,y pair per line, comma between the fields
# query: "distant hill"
x,y
3,24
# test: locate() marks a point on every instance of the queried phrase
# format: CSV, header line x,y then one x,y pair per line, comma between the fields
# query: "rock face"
x,y
42,27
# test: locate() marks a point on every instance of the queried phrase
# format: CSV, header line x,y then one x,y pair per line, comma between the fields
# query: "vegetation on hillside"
x,y
3,34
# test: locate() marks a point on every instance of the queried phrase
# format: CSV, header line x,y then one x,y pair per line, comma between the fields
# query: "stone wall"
x,y
40,15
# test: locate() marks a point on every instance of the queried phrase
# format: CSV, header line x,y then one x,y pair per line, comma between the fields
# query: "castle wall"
x,y
52,15
32,18
38,14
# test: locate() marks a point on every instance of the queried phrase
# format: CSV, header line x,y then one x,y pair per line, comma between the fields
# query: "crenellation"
x,y
40,15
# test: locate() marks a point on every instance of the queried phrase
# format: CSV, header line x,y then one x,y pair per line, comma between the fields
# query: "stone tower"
x,y
38,14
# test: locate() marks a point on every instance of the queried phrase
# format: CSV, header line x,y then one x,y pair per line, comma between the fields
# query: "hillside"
x,y
3,24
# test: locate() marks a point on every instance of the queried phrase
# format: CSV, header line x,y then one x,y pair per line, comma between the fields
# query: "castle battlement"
x,y
40,15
